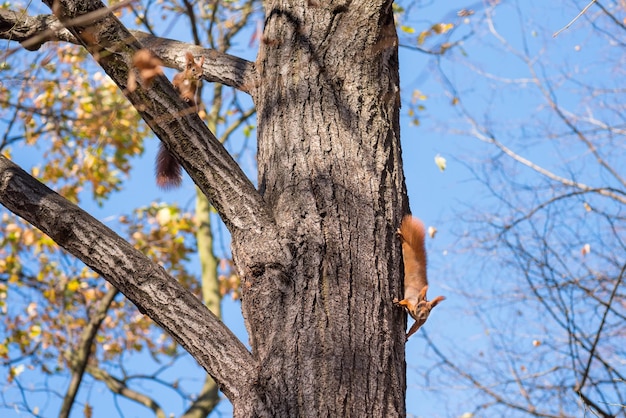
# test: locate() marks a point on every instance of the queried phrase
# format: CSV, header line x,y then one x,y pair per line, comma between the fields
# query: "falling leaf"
x,y
432,231
536,343
148,64
585,250
441,162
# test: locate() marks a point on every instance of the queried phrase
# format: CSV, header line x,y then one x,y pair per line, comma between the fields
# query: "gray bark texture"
x,y
330,170
315,244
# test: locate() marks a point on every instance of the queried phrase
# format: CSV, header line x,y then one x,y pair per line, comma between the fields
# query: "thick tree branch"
x,y
218,67
143,282
33,31
257,245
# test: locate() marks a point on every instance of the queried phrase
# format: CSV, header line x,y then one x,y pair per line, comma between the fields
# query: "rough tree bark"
x,y
315,245
329,168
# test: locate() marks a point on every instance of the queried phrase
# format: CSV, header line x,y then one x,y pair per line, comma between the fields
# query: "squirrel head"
x,y
193,69
423,307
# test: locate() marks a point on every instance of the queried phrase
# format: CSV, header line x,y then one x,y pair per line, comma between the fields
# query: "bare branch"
x,y
486,137
582,12
118,386
594,345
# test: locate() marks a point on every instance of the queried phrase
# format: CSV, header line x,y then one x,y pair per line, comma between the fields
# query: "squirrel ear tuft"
x,y
436,301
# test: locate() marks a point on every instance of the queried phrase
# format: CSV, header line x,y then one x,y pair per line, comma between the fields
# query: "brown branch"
x,y
33,31
596,408
218,67
118,386
208,398
143,282
79,356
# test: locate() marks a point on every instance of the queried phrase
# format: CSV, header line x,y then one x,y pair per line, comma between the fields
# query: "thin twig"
x,y
574,19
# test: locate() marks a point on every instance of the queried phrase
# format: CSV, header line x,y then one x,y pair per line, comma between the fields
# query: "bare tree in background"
x,y
545,288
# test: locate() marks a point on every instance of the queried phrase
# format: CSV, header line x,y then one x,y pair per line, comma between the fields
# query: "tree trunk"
x,y
325,333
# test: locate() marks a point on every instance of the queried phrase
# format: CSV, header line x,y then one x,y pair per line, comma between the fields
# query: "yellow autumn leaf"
x,y
440,28
422,37
4,351
73,285
89,160
418,96
17,370
35,331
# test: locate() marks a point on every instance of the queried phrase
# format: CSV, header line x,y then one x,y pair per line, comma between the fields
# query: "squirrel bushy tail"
x,y
412,235
169,173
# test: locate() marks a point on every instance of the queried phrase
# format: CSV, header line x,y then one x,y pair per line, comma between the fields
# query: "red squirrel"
x,y
168,169
411,234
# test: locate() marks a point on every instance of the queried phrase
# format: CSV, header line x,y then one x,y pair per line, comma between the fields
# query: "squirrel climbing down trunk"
x,y
412,236
168,170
